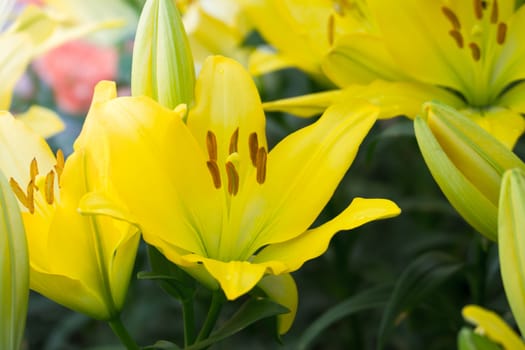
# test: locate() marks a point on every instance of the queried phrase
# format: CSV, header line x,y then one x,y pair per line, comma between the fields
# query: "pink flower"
x,y
72,70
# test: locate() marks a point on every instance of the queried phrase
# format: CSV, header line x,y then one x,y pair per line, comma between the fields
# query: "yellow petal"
x,y
514,98
282,290
314,242
14,57
303,171
43,121
491,325
264,61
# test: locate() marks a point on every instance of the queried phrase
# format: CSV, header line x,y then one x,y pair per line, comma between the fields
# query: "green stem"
x,y
217,301
189,321
483,246
122,333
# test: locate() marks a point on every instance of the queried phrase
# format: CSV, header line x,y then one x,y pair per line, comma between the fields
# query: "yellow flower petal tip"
x,y
104,91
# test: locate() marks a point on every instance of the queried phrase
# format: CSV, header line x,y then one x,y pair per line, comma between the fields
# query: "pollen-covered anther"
x,y
494,13
331,29
451,16
211,144
215,173
31,197
475,51
234,140
59,166
49,192
502,33
478,9
33,169
456,35
233,178
253,144
261,165
20,194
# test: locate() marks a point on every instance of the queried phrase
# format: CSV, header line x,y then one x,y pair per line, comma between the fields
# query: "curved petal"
x,y
409,24
514,98
314,242
43,121
135,138
493,326
264,61
14,57
504,124
303,171
282,290
360,59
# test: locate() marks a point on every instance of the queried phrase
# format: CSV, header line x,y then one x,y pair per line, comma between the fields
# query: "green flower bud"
x,y
162,61
14,270
466,162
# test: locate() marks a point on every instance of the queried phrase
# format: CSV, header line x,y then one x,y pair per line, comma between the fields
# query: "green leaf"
x,y
367,299
163,345
253,310
422,277
469,340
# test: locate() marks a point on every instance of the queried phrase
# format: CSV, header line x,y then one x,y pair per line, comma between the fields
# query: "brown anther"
x,y
456,35
253,143
233,178
494,13
49,192
451,16
475,51
215,173
502,32
234,140
211,144
59,166
33,169
478,9
331,29
19,193
31,197
261,165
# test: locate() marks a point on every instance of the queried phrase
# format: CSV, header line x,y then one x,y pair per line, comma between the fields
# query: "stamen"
x,y
478,9
502,32
261,165
215,173
33,169
211,144
475,51
233,178
494,13
457,37
49,192
451,16
254,147
30,197
19,193
331,26
234,140
59,166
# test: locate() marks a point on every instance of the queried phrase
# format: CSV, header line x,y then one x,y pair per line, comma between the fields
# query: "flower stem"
x,y
217,301
189,321
122,333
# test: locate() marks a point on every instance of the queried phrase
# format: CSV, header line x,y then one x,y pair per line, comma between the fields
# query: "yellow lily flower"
x,y
211,197
493,327
81,262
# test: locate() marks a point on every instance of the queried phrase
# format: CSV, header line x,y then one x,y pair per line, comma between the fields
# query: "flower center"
x,y
27,197
258,156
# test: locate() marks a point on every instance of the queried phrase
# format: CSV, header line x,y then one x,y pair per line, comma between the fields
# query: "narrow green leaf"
x,y
163,345
422,277
253,310
367,299
469,340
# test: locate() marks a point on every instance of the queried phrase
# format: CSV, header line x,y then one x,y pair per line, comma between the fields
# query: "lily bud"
x,y
467,163
162,61
511,226
14,270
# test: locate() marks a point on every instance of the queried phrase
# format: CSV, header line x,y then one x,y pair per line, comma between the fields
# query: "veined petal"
x,y
360,59
314,242
490,324
504,124
282,289
19,145
43,121
409,24
303,172
131,135
514,98
227,103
